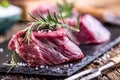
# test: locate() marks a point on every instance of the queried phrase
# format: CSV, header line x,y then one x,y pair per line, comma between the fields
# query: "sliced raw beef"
x,y
91,30
45,48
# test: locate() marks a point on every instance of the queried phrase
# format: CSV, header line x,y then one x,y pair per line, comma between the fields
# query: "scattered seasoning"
x,y
66,65
21,64
58,68
47,67
1,50
71,64
36,68
42,66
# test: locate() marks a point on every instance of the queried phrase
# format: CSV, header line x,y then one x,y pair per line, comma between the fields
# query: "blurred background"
x,y
106,11
95,7
11,10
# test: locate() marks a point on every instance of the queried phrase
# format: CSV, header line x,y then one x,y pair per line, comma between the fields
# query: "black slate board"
x,y
91,52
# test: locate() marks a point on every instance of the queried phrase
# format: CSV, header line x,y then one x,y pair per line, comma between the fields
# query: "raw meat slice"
x,y
91,30
45,48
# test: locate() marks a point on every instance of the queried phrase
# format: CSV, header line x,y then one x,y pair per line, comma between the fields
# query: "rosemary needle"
x,y
13,63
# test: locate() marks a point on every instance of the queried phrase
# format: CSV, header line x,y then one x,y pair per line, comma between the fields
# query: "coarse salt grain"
x,y
1,49
58,69
42,66
71,64
36,68
21,64
47,67
66,65
11,62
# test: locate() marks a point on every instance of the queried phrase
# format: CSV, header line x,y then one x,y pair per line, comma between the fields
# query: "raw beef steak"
x,y
45,48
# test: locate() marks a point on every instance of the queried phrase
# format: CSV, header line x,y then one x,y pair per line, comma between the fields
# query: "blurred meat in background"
x,y
108,11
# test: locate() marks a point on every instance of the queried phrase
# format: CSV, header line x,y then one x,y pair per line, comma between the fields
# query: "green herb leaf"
x,y
28,31
56,17
4,3
14,62
41,16
33,17
78,22
10,69
49,17
14,58
6,64
65,9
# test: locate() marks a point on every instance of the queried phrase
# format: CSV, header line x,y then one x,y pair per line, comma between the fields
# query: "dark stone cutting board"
x,y
91,52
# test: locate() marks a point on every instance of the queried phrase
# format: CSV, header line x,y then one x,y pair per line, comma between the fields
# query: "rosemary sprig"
x,y
65,9
13,63
28,31
77,22
44,24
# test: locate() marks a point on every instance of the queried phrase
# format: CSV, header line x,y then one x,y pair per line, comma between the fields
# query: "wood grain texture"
x,y
99,8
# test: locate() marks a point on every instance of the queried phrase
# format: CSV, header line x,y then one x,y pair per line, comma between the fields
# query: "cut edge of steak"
x,y
91,30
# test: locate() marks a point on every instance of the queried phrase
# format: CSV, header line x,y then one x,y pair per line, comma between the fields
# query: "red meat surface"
x,y
91,30
45,48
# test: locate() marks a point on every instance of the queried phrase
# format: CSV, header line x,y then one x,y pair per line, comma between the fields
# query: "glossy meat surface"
x,y
45,48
